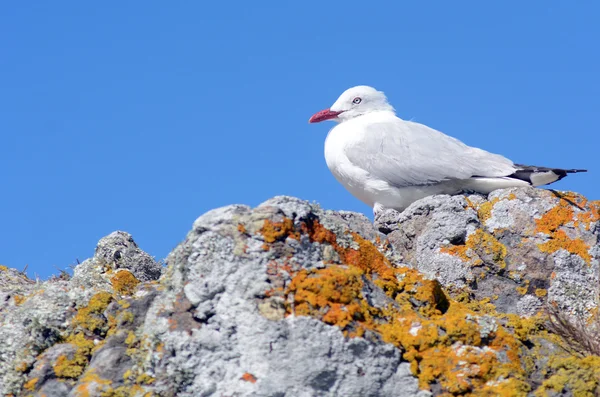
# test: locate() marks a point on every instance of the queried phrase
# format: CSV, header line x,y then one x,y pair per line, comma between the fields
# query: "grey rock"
x,y
223,318
506,247
35,318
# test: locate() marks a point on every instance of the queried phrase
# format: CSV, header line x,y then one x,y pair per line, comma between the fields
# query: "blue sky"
x,y
142,116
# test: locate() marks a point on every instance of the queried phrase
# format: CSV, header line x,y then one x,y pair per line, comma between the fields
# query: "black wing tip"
x,y
526,172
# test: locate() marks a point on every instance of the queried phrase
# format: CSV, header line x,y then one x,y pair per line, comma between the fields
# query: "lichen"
x,y
74,367
88,323
560,240
90,379
19,299
478,247
581,376
248,377
124,282
484,211
278,231
30,384
440,337
91,317
563,214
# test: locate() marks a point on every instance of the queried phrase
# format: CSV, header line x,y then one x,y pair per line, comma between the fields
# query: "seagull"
x,y
387,162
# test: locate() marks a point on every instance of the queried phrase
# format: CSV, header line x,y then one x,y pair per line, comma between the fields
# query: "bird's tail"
x,y
539,176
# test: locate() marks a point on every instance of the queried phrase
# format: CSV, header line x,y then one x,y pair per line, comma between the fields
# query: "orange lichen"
x,y
461,251
590,216
440,337
367,257
248,377
328,294
241,228
124,282
279,231
19,299
561,215
558,216
560,240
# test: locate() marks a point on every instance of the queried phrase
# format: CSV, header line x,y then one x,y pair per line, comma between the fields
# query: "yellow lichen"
x,y
521,290
3,268
88,379
484,211
125,391
74,367
131,338
124,282
581,376
144,379
489,245
22,367
91,317
540,292
30,384
479,244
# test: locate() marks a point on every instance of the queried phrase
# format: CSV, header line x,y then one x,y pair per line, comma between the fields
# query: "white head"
x,y
354,102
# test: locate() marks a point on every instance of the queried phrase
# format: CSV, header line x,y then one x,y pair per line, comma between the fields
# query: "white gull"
x,y
387,162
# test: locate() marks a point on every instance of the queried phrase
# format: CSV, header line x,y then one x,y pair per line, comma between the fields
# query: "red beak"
x,y
323,115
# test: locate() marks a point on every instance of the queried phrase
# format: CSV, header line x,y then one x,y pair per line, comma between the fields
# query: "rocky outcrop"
x,y
287,299
519,248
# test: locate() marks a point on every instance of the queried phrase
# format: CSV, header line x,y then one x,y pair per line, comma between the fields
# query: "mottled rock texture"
x,y
287,299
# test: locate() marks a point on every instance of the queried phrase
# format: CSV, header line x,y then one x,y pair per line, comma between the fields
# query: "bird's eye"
x,y
356,100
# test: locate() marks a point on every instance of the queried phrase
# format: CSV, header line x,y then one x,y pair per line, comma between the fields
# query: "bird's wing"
x,y
405,153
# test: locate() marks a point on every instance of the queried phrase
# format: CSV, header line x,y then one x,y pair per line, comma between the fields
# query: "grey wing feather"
x,y
405,153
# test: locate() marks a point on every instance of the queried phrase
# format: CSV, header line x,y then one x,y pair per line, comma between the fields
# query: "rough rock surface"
x,y
519,248
287,299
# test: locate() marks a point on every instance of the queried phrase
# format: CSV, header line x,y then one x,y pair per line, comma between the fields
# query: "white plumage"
x,y
388,162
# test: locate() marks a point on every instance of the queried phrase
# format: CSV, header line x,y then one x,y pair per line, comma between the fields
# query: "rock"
x,y
520,248
287,299
40,322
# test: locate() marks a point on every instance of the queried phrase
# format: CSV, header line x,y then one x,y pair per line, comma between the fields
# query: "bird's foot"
x,y
378,209
385,219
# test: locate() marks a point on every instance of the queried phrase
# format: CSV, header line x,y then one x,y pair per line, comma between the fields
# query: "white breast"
x,y
355,179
